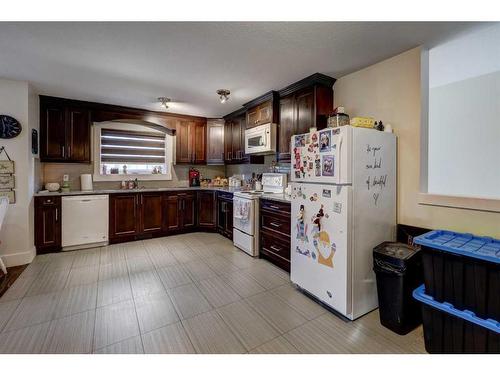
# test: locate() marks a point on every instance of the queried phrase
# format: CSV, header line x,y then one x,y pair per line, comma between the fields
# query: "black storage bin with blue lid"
x,y
448,330
398,270
463,270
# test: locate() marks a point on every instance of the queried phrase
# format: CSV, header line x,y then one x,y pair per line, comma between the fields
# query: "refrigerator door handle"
x,y
339,156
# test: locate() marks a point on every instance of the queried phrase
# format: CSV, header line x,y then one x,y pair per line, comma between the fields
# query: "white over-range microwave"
x,y
261,139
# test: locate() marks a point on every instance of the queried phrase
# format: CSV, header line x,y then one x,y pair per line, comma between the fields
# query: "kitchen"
x,y
235,223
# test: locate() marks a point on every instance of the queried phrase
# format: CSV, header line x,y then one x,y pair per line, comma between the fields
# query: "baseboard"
x,y
18,259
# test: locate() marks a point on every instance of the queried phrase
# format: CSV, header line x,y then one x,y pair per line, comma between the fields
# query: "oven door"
x,y
243,215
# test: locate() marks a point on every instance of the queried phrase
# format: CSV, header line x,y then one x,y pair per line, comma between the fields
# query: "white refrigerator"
x,y
343,205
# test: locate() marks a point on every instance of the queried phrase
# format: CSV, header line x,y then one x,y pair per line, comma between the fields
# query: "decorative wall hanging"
x,y
9,127
7,179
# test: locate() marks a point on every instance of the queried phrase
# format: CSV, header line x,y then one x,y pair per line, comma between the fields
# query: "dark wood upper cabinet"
x,y
215,142
191,142
206,209
304,104
64,132
234,140
262,110
78,135
47,224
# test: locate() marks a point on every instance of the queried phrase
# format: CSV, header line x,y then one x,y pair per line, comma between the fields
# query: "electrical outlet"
x,y
65,177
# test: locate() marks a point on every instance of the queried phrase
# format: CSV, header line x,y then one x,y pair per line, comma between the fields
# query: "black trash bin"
x,y
398,268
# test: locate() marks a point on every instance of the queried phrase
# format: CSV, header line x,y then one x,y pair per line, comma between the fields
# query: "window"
x,y
131,151
461,118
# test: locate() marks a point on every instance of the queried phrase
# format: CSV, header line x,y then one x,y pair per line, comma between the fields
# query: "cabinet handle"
x,y
278,249
69,151
57,215
62,151
274,207
276,225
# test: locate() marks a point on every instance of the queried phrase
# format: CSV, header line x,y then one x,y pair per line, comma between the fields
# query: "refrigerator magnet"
x,y
300,140
325,140
328,165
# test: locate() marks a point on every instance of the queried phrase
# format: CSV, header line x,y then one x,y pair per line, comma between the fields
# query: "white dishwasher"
x,y
84,221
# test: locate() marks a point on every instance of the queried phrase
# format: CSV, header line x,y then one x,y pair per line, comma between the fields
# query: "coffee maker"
x,y
194,177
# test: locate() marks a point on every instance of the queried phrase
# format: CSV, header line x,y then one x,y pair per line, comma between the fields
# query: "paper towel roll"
x,y
86,182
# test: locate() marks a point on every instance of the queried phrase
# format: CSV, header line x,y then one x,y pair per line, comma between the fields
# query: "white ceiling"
x,y
133,63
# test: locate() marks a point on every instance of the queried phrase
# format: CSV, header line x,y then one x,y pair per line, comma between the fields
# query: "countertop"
x,y
139,190
273,197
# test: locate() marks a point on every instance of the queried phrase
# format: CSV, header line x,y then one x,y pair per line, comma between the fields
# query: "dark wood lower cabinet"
x,y
150,213
207,218
123,217
225,214
179,212
134,216
47,224
275,233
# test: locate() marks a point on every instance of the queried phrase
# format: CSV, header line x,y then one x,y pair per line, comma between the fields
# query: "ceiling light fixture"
x,y
223,95
164,101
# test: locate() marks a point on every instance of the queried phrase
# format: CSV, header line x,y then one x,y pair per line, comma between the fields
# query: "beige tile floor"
x,y
191,293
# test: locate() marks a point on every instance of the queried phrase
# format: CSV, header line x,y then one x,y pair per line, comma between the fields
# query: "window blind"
x,y
123,146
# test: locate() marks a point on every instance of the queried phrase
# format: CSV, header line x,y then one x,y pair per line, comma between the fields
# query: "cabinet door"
x,y
188,211
123,218
183,142
305,111
287,126
237,141
171,213
151,212
228,140
265,113
198,135
52,133
215,143
206,209
242,157
47,224
78,135
252,117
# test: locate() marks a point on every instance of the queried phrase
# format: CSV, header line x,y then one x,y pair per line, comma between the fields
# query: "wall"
x,y
390,91
18,100
473,85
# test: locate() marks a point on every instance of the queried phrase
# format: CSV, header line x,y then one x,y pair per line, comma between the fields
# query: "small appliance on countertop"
x,y
86,182
194,177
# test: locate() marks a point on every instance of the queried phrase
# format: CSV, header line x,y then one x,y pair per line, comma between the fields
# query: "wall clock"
x,y
9,127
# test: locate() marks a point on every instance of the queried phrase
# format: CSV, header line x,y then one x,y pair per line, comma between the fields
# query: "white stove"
x,y
246,212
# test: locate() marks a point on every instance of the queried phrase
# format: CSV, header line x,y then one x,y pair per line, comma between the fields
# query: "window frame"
x,y
96,153
440,200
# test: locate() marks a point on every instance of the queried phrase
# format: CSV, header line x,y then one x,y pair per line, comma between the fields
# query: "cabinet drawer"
x,y
275,244
48,201
275,223
274,206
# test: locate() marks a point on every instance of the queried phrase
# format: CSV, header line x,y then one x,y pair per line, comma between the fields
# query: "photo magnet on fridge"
x,y
328,165
300,140
325,140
